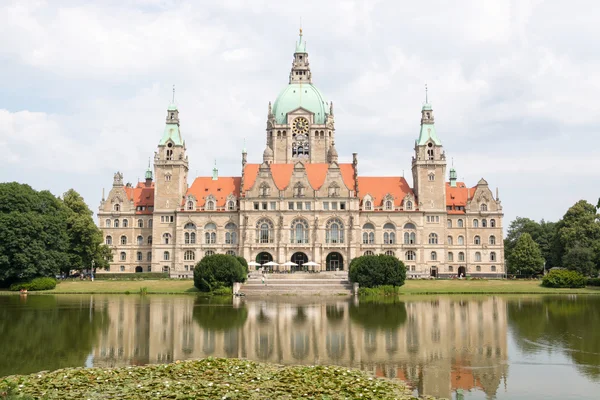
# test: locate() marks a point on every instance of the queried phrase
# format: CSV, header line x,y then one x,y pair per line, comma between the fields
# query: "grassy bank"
x,y
211,378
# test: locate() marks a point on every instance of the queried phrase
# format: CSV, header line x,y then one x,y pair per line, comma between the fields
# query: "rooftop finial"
x,y
173,100
215,175
244,148
426,97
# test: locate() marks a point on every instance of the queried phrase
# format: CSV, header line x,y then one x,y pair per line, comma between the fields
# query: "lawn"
x,y
152,286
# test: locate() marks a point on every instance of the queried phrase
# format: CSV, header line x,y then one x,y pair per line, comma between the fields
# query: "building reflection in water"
x,y
439,346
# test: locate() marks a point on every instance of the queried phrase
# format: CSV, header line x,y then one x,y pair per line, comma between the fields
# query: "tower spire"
x,y
300,67
215,174
173,99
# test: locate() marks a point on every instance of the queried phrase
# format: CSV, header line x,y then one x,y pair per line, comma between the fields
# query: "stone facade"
x,y
301,205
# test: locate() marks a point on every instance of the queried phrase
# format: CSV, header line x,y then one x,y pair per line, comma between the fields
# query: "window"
x,y
333,190
139,256
299,231
108,240
493,256
461,256
264,231
431,176
368,233
190,205
342,205
256,206
484,207
493,268
149,269
492,223
477,240
291,205
369,253
410,255
149,223
477,256
449,240
450,256
231,205
433,256
123,239
325,205
390,253
388,205
150,239
140,223
125,223
484,223
209,253
450,268
459,223
492,239
123,256
122,268
449,223
166,238
189,237
368,205
264,205
461,240
272,205
478,268
210,233
166,256
140,240
389,235
409,205
410,237
334,205
210,205
307,206
189,255
475,223
334,231
433,238
149,256
230,233
107,223
116,223
117,207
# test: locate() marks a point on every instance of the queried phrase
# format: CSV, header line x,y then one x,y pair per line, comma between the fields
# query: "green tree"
x,y
542,233
217,271
526,257
580,259
372,271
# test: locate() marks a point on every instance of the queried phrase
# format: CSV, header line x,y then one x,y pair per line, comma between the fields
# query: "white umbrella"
x,y
311,264
253,264
290,264
271,264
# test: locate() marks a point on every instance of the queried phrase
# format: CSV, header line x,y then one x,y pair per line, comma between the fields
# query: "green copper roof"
x,y
172,107
171,133
301,44
149,171
297,95
428,132
427,107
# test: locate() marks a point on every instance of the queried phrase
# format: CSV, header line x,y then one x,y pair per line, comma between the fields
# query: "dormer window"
x,y
231,205
210,205
117,207
190,205
388,205
368,205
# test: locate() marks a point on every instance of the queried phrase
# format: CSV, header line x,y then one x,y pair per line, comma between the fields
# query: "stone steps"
x,y
304,284
313,282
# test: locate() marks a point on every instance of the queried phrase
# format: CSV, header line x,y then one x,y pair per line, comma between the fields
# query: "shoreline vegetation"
x,y
209,378
174,286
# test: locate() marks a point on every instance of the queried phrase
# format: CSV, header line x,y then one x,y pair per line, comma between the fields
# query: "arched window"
x,y
264,231
478,268
450,256
123,239
230,253
210,233
150,239
107,223
122,268
410,237
449,240
140,240
492,223
149,223
230,233
492,239
409,205
190,205
390,253
461,256
477,256
149,256
125,223
433,256
231,206
299,231
368,233
117,207
166,238
449,223
209,253
484,207
139,256
433,238
388,205
484,223
493,256
189,226
140,223
461,240
477,240
210,205
410,256
369,253
334,231
108,240
166,256
459,223
475,223
123,256
368,205
189,255
389,235
116,223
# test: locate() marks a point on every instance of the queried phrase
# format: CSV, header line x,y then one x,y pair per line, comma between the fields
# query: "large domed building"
x,y
301,205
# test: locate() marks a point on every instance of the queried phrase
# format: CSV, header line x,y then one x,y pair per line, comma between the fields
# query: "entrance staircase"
x,y
297,284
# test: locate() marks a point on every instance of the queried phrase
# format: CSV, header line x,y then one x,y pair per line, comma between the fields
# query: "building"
x,y
300,204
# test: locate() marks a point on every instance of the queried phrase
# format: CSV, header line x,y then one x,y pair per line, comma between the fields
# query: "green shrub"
x,y
385,290
130,277
35,284
593,282
562,278
223,291
379,270
244,263
217,271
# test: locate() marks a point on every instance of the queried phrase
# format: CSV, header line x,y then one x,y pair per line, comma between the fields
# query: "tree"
x,y
542,233
217,271
372,271
580,259
526,257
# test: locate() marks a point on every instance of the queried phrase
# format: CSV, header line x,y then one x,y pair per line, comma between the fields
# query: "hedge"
x,y
130,277
35,284
562,278
593,282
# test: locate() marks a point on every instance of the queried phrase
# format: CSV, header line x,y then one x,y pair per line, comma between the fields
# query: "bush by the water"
x,y
217,271
562,278
243,261
379,270
35,284
593,282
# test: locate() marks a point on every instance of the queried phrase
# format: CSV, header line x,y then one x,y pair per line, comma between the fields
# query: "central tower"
x,y
300,124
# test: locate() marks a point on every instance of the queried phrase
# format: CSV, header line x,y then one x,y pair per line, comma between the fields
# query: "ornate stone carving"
x,y
118,179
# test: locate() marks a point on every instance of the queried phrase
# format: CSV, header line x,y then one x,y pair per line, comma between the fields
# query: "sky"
x,y
513,84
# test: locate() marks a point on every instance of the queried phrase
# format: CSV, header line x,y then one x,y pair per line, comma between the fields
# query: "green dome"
x,y
297,95
172,107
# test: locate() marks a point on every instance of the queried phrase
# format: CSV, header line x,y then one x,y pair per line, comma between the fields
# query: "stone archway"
x,y
462,272
263,257
334,262
139,269
299,258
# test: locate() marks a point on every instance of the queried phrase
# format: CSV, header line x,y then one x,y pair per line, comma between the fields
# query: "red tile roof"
x,y
457,196
142,196
378,186
282,174
220,188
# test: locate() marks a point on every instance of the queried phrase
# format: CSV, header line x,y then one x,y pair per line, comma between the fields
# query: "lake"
x,y
459,347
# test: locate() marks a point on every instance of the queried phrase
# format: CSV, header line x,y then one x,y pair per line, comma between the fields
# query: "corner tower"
x,y
300,125
170,165
429,165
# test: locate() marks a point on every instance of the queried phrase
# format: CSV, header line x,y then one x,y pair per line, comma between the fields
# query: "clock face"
x,y
300,125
